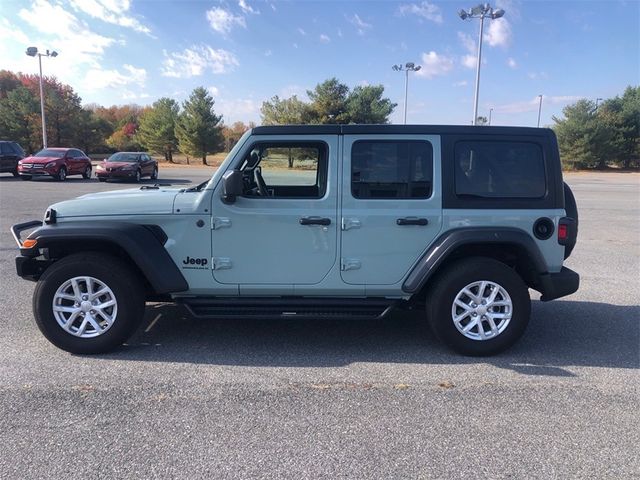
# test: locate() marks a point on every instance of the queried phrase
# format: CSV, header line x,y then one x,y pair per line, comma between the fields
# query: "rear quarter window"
x,y
499,169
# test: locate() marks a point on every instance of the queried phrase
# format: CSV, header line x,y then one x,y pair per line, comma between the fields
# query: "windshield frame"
x,y
136,157
51,153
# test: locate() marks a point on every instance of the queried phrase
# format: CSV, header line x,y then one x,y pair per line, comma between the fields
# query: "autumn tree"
x,y
198,128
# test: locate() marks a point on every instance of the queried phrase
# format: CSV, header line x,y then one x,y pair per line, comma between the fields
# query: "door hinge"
x,y
350,264
349,223
220,222
221,263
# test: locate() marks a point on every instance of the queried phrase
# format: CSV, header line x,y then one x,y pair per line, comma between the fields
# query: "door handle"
x,y
412,221
315,221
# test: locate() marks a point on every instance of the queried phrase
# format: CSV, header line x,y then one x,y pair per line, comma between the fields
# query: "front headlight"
x,y
100,167
19,162
50,164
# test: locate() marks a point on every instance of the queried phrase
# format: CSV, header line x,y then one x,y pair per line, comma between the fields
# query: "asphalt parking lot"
x,y
294,399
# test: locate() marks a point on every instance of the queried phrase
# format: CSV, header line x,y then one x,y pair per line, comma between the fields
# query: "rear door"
x,y
391,205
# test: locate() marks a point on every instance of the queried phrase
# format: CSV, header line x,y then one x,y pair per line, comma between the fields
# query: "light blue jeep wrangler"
x,y
320,221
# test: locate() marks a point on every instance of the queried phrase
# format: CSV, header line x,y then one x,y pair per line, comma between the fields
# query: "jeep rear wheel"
x,y
478,306
88,303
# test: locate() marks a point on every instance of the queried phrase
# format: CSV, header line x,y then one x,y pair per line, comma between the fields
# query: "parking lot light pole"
x,y
32,52
490,112
408,67
482,11
539,109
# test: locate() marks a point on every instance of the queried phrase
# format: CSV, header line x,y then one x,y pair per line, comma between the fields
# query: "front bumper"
x,y
37,171
556,285
116,174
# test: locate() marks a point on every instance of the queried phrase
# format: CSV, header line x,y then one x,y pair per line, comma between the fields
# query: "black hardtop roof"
x,y
396,130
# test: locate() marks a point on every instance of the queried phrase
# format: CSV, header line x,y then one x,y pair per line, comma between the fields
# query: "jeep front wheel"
x,y
88,303
478,306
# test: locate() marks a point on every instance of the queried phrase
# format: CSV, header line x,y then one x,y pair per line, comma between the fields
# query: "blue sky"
x,y
246,51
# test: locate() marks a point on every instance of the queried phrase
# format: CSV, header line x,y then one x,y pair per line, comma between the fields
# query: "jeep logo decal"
x,y
195,262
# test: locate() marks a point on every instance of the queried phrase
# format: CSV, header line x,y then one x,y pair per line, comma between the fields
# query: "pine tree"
x,y
157,128
198,128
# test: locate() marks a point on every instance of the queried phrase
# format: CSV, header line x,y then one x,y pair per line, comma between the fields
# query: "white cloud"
x,y
235,109
246,8
98,78
268,53
469,61
110,11
532,105
499,33
512,63
214,91
223,21
324,38
434,65
129,95
467,42
301,31
461,83
340,32
194,61
11,32
425,10
360,24
538,75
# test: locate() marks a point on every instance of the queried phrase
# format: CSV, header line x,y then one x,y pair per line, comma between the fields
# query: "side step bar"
x,y
279,308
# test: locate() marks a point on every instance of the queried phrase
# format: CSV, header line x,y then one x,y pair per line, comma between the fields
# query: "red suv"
x,y
58,163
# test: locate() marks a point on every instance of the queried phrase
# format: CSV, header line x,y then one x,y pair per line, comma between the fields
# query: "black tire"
x,y
571,208
138,176
62,174
87,173
15,173
154,175
102,179
123,282
25,177
458,275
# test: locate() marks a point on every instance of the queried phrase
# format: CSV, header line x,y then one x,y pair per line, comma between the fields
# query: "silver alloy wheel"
x,y
62,174
85,307
482,310
138,176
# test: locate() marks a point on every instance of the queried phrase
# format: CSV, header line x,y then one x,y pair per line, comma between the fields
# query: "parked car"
x,y
127,166
58,163
10,154
456,221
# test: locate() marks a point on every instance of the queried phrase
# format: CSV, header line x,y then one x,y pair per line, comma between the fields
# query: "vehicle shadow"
x,y
561,334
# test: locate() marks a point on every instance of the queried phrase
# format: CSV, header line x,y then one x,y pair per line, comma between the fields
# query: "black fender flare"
x,y
449,241
143,243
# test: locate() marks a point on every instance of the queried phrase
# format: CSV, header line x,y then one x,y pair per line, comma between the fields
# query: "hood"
x,y
40,159
134,201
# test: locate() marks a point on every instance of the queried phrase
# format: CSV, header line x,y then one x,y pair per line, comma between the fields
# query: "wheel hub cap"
x,y
482,310
85,307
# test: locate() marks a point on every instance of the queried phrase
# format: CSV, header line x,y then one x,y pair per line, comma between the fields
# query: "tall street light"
x,y
598,100
408,67
490,112
539,109
32,52
482,11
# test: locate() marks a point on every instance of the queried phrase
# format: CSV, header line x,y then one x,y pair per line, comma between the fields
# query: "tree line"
x,y
592,135
165,127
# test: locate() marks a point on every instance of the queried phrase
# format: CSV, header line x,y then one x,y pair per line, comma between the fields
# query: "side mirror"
x,y
232,186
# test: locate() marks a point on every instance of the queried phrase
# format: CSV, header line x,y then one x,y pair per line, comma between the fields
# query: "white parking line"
x,y
153,323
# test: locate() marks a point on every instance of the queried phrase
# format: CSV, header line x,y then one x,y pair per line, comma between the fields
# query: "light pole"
x,y
482,11
32,52
598,100
539,109
408,67
490,112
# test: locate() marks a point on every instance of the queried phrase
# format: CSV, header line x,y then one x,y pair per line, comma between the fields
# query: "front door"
x,y
391,206
283,230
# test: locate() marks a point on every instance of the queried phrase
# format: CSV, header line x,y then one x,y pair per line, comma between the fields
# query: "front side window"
x,y
400,169
286,170
499,169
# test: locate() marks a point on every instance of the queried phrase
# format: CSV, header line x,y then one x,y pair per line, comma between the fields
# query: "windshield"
x,y
47,152
123,157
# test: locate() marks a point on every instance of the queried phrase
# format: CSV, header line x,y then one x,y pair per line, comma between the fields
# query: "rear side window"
x,y
5,149
499,169
18,149
391,169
